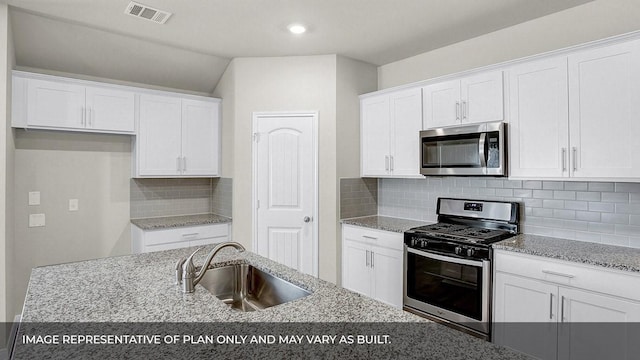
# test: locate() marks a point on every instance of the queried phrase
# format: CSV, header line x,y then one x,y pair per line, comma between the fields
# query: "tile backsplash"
x,y
602,212
358,197
168,197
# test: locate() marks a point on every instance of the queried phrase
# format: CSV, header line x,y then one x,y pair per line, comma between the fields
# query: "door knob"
x,y
306,219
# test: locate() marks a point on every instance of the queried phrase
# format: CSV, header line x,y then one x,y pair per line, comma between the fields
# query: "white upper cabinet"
x,y
473,99
389,133
177,137
604,108
200,138
539,119
47,102
110,109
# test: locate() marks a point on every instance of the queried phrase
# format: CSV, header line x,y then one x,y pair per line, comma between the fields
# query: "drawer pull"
x,y
189,235
369,237
558,274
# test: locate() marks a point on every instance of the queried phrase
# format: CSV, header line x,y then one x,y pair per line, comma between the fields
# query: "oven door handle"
x,y
476,263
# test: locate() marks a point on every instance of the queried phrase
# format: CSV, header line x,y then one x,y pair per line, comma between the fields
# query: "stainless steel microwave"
x,y
478,149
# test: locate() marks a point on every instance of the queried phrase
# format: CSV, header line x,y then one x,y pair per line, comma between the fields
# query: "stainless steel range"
x,y
447,275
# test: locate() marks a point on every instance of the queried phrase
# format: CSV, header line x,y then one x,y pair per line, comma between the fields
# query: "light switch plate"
x,y
73,204
34,198
36,220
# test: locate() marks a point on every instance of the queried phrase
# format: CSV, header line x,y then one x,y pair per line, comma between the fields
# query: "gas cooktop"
x,y
465,233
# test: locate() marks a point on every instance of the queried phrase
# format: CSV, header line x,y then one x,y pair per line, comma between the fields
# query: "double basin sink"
x,y
246,288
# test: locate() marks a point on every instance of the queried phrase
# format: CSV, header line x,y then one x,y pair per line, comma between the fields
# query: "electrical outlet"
x,y
34,198
36,220
73,204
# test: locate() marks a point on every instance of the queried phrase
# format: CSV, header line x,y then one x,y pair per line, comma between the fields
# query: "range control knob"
x,y
470,252
458,250
424,243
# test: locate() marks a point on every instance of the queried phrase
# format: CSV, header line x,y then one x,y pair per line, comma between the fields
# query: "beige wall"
x,y
328,84
90,167
353,78
226,90
592,21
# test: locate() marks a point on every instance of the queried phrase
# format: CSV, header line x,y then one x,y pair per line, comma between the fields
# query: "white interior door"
x,y
285,189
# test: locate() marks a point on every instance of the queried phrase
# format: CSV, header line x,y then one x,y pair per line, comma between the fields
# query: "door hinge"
x,y
256,137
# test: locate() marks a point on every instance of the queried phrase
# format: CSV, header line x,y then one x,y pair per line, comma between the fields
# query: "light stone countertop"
x,y
609,256
385,223
140,288
166,222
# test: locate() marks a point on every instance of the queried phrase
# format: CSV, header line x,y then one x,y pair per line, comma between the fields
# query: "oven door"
x,y
453,289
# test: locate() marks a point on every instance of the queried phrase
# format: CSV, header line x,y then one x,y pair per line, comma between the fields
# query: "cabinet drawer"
x,y
388,239
598,279
191,233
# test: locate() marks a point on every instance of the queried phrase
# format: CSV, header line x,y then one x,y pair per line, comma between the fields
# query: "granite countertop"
x,y
110,290
179,221
609,256
384,223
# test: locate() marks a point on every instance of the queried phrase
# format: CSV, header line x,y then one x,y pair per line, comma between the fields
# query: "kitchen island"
x,y
141,289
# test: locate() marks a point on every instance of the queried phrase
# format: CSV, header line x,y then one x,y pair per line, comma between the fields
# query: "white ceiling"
x,y
191,51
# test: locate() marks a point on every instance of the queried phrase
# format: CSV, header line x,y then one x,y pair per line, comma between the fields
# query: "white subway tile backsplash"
x,y
615,197
601,186
585,211
553,185
532,184
615,240
601,207
588,196
564,195
628,187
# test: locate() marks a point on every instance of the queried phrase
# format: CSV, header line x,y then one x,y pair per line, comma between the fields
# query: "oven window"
x,y
451,151
448,285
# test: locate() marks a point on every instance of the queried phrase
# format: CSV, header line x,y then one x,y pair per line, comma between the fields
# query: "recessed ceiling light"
x,y
297,29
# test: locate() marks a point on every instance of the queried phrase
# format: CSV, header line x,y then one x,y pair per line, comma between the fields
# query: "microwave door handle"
x,y
481,152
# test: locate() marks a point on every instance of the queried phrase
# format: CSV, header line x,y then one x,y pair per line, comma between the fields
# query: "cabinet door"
x,y
596,326
55,105
406,117
539,121
604,88
374,136
356,274
442,105
200,138
387,268
159,136
482,98
111,110
525,315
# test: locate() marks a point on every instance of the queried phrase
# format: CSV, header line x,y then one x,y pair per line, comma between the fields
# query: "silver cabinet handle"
x,y
369,237
575,158
386,162
367,258
562,309
464,110
306,219
457,110
564,159
391,162
90,117
570,276
372,257
83,113
550,306
190,235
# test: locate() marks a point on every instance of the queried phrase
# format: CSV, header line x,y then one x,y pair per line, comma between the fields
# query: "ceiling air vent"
x,y
145,12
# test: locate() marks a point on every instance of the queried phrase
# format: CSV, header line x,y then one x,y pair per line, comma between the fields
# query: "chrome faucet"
x,y
189,278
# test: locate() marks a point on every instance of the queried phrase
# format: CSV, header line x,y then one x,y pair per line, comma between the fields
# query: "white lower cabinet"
x,y
144,241
372,263
554,309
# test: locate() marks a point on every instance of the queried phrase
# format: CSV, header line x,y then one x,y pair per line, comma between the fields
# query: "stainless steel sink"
x,y
246,288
